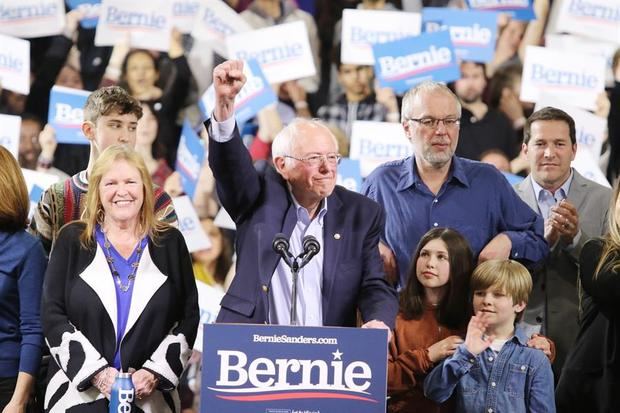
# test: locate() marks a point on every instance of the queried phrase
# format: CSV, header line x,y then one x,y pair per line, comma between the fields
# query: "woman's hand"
x,y
144,383
444,348
104,380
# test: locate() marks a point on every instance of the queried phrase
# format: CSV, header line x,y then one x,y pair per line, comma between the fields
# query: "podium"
x,y
292,369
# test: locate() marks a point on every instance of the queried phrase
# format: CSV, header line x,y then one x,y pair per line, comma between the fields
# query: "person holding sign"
x,y
22,265
110,117
119,296
297,199
574,210
434,188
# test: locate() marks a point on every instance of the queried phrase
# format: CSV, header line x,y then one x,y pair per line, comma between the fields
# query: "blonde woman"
x,y
119,295
590,379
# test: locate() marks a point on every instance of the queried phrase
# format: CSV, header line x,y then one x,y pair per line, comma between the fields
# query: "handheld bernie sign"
x,y
146,25
184,13
596,19
190,156
66,114
374,143
269,368
361,29
215,22
518,9
349,174
15,64
473,33
569,76
283,51
32,18
91,9
404,63
9,133
189,225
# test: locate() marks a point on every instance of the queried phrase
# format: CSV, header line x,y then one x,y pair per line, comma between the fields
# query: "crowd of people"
x,y
495,297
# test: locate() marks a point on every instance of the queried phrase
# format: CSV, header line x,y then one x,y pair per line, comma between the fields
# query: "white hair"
x,y
428,86
284,141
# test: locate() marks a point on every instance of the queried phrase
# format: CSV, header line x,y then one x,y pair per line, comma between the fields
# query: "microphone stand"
x,y
295,274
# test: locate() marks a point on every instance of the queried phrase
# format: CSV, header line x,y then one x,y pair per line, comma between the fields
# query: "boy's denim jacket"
x,y
517,379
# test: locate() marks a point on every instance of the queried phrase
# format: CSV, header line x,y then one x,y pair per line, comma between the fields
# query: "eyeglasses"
x,y
317,160
432,123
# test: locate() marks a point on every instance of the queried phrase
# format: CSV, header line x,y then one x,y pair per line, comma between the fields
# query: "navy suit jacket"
x,y
261,206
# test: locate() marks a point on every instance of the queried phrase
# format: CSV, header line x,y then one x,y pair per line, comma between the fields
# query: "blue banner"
x,y
35,193
190,156
255,95
518,9
349,174
91,9
473,33
275,369
404,63
66,114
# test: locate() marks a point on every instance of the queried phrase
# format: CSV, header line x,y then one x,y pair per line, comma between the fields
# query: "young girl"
x,y
434,311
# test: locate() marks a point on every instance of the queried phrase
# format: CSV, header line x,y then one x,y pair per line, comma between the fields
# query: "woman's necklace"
x,y
134,265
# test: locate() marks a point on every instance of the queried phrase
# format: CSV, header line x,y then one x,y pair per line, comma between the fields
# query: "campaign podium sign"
x,y
518,9
473,33
275,369
66,114
404,63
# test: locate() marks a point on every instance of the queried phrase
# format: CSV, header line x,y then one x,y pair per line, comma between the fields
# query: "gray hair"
x,y
428,86
285,140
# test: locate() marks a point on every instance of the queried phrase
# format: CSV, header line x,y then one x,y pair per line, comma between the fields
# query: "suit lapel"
x,y
526,193
147,282
97,276
578,190
333,239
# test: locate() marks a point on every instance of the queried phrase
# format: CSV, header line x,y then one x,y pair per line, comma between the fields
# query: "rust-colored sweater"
x,y
408,363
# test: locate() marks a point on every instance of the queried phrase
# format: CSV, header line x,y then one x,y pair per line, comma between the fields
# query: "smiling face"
x,y
433,265
497,307
310,184
433,147
121,192
550,153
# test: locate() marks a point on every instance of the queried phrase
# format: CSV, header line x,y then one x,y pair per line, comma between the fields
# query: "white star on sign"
x,y
337,355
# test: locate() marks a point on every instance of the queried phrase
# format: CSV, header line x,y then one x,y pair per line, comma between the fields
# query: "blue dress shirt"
x,y
475,200
517,379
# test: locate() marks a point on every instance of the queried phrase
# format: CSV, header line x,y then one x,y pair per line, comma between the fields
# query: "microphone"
x,y
311,248
280,245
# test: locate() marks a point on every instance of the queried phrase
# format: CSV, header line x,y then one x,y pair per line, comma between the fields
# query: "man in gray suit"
x,y
574,209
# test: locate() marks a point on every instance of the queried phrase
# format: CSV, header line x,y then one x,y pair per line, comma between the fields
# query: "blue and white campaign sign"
x,y
596,19
184,12
374,143
15,64
404,63
565,75
512,178
587,45
146,25
361,29
190,156
283,51
349,174
189,224
215,22
90,8
209,304
254,96
518,9
473,33
32,18
66,114
590,129
37,183
9,133
269,368
587,166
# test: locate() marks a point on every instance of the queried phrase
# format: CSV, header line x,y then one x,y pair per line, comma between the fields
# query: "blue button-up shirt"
x,y
475,200
517,379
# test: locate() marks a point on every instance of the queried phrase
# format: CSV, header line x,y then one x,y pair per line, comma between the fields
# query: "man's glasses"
x,y
317,160
432,123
